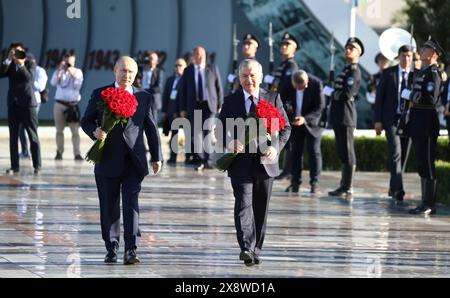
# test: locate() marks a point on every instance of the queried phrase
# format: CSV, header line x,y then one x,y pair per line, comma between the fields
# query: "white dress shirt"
x,y
400,80
248,102
129,88
147,78
68,88
299,102
40,82
202,72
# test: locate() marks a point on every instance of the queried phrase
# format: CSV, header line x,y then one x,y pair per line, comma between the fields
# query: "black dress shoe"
x,y
111,257
256,259
130,257
78,157
58,156
341,192
423,209
12,171
293,187
248,257
399,195
314,187
37,171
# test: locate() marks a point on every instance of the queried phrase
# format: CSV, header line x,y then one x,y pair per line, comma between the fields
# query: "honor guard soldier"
x,y
250,45
423,126
343,114
280,82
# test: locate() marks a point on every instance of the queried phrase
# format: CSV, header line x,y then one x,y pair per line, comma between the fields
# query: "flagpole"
x,y
354,4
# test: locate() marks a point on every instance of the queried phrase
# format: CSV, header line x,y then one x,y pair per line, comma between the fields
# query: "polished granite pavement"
x,y
49,226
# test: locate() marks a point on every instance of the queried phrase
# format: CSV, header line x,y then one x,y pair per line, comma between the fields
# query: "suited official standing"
x,y
251,178
423,125
304,111
343,114
124,163
21,104
152,82
388,109
170,103
200,90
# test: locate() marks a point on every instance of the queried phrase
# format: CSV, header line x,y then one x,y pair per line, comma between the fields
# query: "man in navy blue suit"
x,y
252,171
124,163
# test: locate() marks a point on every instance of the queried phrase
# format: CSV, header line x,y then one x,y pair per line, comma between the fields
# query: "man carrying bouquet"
x,y
119,155
252,171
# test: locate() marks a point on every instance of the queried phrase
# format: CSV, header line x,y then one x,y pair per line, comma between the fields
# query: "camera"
x,y
20,54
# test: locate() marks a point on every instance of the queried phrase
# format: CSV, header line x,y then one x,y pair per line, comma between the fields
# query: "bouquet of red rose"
x,y
117,106
271,119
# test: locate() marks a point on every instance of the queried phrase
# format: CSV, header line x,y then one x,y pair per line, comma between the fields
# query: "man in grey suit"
x,y
200,90
251,174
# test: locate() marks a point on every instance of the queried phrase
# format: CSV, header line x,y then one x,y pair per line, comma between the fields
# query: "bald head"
x,y
300,79
199,56
125,71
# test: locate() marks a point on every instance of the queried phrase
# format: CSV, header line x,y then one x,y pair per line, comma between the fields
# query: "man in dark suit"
x,y
252,172
304,111
152,82
170,104
388,108
124,162
200,92
21,104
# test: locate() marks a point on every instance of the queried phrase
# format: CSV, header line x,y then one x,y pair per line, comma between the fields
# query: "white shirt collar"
x,y
201,66
255,94
129,88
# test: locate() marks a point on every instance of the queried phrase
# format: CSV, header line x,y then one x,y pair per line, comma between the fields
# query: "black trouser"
x,y
26,116
198,137
299,135
398,148
109,189
252,196
344,144
425,148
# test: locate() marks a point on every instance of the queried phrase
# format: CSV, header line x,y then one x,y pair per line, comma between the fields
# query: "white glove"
x,y
231,77
328,91
406,94
268,79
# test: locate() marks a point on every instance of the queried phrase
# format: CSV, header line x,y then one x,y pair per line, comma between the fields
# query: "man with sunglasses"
x,y
343,114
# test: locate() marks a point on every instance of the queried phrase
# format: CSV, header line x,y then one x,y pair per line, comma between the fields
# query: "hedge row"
x,y
372,154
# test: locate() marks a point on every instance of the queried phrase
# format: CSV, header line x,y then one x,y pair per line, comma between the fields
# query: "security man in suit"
x,y
304,111
21,104
280,81
253,169
250,45
200,90
343,114
388,108
124,162
423,125
152,81
170,103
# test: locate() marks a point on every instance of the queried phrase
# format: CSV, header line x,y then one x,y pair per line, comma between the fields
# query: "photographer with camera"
x,y
41,95
68,81
21,104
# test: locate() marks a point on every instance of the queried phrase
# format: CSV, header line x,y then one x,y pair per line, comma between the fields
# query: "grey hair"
x,y
299,77
247,63
122,59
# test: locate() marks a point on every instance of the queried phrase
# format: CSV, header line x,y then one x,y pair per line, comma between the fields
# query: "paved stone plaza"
x,y
49,226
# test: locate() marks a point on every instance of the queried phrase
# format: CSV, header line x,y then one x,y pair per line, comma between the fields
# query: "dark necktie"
x,y
403,86
252,105
199,85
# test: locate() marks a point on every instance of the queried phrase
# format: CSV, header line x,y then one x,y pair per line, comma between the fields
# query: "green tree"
x,y
430,18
